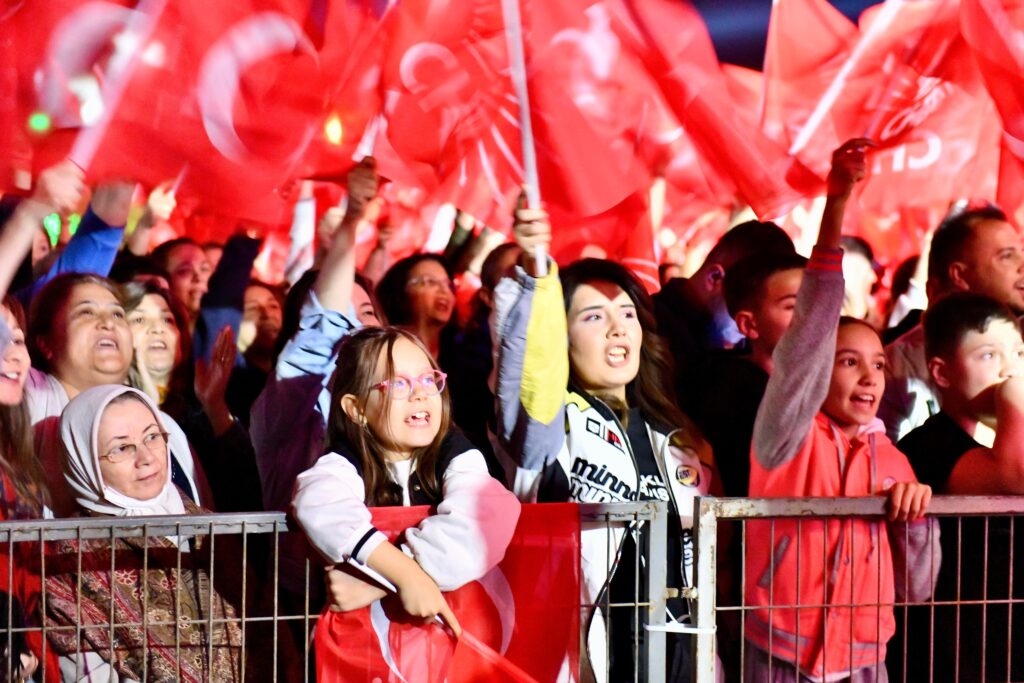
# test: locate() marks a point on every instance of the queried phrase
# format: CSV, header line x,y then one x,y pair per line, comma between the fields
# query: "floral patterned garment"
x,y
162,616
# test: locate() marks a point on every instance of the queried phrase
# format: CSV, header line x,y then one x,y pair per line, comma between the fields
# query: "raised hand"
x,y
161,203
111,202
849,166
59,189
531,229
211,381
363,183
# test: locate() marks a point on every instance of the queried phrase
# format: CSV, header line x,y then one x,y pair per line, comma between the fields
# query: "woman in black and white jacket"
x,y
595,423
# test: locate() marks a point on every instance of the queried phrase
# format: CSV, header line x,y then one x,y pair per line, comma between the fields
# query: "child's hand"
x,y
346,592
422,598
849,166
908,501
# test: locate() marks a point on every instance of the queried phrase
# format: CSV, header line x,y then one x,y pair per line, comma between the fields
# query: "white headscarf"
x,y
79,431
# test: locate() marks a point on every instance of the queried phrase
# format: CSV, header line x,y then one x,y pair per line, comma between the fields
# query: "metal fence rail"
x,y
245,551
975,599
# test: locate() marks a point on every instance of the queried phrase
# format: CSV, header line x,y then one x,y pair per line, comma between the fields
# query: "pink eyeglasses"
x,y
401,387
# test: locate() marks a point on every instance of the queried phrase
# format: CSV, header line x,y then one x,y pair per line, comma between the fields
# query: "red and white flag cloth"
x,y
227,98
521,619
994,29
671,41
450,106
904,77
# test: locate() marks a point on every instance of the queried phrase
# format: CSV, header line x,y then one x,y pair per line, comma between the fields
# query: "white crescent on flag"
x,y
255,38
442,89
497,588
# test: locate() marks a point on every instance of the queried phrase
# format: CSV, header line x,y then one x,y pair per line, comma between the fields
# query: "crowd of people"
x,y
163,379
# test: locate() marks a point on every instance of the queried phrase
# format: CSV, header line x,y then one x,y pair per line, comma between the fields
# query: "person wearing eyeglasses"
x,y
390,441
117,456
418,294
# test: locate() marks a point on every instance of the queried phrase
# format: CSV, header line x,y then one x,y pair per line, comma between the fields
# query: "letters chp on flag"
x,y
995,32
902,76
526,609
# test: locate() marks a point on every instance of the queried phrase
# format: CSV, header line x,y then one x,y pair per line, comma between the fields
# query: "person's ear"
x,y
714,278
939,371
43,344
487,297
350,404
747,324
957,275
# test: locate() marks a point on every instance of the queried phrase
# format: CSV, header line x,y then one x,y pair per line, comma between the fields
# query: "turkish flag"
x,y
223,97
520,621
450,105
53,57
673,44
994,29
351,40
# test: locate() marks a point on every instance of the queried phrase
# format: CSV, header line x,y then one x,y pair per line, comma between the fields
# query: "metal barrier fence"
x,y
268,629
969,629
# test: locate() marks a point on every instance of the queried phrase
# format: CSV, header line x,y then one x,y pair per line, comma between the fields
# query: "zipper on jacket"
x,y
618,551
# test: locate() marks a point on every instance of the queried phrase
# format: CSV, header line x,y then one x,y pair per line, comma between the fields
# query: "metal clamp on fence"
x,y
676,627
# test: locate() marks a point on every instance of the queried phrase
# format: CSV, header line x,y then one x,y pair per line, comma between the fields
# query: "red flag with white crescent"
x,y
54,56
521,618
226,96
450,104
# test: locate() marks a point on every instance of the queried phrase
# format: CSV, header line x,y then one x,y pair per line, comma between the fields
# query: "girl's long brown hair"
x,y
17,451
356,373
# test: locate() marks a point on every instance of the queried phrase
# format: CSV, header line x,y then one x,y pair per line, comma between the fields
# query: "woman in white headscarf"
x,y
117,463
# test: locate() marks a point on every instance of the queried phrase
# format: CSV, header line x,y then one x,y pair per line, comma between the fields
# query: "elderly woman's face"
x,y
132,450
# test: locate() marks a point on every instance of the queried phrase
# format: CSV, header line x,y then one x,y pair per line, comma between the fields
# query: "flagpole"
x,y
517,67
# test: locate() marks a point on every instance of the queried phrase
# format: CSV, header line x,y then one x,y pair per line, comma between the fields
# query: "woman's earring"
x,y
362,421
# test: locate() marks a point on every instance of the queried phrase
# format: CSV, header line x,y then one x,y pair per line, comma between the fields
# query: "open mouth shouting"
x,y
108,344
420,418
618,355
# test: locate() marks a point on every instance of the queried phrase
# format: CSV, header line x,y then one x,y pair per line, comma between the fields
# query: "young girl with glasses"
x,y
390,442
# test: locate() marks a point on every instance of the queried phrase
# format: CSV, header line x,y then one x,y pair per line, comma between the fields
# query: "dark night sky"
x,y
739,27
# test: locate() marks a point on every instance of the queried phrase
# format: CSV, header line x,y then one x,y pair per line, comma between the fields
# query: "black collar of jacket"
x,y
454,443
606,412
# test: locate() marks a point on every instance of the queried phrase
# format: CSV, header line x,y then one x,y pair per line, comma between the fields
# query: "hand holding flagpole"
x,y
517,67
